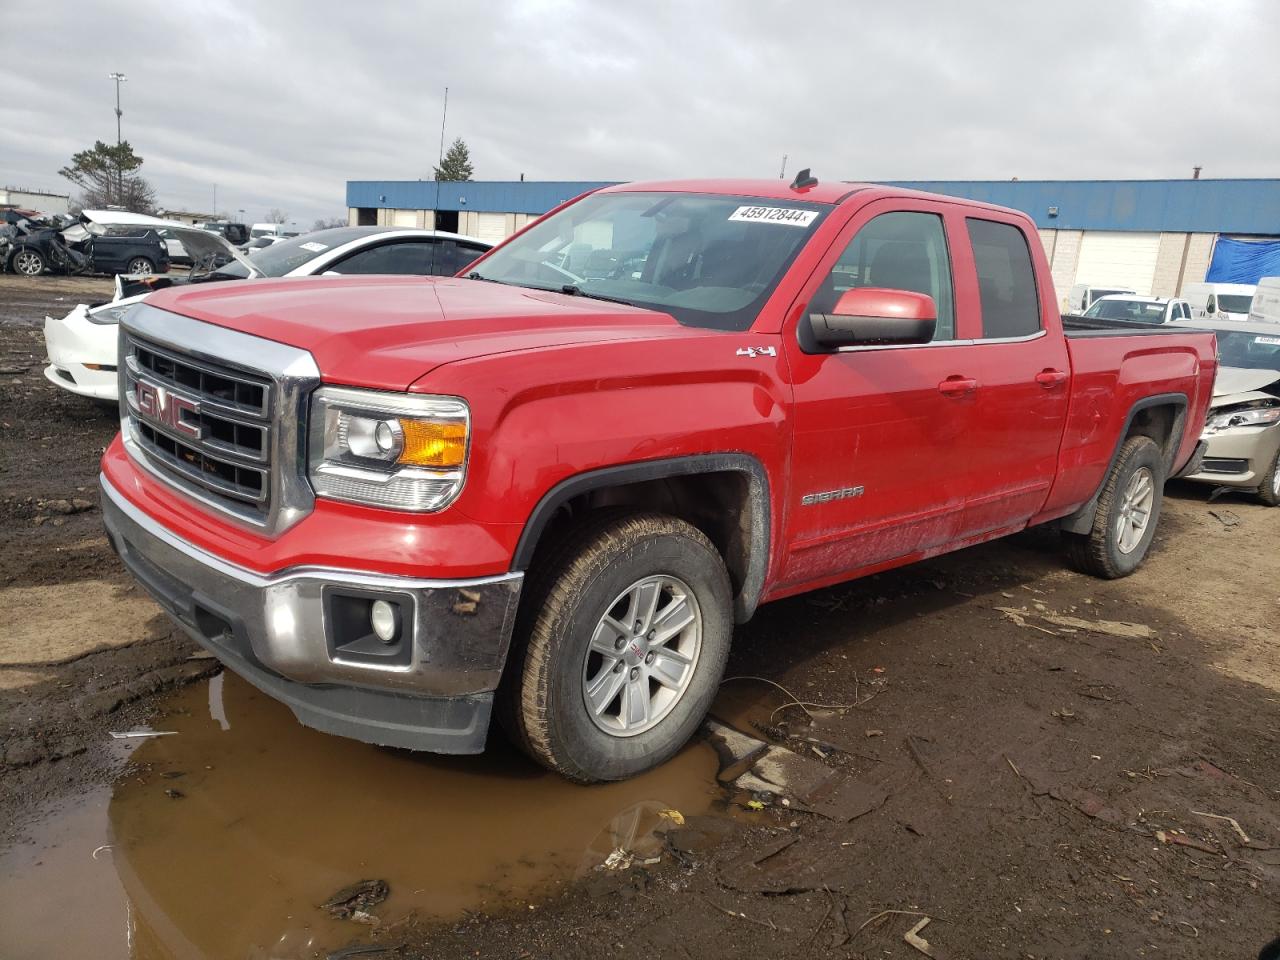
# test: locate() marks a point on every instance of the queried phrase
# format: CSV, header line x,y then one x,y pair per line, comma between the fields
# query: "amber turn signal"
x,y
430,443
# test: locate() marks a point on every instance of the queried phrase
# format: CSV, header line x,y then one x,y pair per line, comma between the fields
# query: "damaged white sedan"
x,y
1243,429
82,345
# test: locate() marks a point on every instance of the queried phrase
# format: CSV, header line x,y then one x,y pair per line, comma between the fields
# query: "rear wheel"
x,y
1128,511
622,646
28,263
141,266
1269,491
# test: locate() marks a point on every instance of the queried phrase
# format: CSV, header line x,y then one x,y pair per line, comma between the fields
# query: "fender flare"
x,y
758,536
1081,521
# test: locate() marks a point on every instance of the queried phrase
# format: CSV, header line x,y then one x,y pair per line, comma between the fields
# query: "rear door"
x,y
879,470
1021,411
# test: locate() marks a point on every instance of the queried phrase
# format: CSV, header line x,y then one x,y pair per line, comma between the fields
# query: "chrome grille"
x,y
221,441
230,430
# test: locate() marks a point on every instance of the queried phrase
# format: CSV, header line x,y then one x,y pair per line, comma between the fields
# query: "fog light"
x,y
385,620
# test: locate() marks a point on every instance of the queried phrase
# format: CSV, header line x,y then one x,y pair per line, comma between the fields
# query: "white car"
x,y
1134,309
82,345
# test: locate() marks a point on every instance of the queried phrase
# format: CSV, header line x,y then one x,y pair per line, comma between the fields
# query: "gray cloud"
x,y
280,103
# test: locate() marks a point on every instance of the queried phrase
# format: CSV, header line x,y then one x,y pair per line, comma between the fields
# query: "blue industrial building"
x,y
1150,235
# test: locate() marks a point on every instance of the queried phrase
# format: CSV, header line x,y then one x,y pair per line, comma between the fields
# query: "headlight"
x,y
1261,416
111,313
392,450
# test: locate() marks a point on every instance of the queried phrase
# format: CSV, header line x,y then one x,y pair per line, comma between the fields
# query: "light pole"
x,y
119,78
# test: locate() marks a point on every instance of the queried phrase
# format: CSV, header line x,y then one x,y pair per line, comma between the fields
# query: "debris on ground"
x,y
173,794
141,734
1225,517
1112,628
623,859
1235,824
675,816
913,938
356,898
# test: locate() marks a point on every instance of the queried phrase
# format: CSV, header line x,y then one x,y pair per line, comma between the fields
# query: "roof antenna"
x,y
804,180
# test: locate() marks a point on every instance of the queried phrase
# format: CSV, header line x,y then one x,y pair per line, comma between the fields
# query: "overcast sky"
x,y
280,103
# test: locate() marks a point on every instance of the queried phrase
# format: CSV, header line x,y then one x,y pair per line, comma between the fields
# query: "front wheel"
x,y
1127,514
141,266
28,263
1269,491
621,649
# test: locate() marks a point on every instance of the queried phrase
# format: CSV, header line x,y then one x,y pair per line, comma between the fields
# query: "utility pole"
x,y
215,202
119,78
1195,173
783,172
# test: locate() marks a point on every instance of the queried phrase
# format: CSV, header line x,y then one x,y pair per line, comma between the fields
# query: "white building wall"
x,y
35,200
1199,253
1168,263
1062,265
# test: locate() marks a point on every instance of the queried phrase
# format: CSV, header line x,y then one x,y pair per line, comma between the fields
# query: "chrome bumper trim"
x,y
462,628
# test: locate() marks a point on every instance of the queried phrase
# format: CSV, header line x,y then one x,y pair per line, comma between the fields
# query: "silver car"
x,y
1243,429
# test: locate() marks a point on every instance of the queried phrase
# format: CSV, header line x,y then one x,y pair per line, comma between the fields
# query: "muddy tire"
x,y
1127,515
620,647
1269,491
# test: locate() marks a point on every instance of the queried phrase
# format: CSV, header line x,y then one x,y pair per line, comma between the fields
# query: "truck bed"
x,y
1076,327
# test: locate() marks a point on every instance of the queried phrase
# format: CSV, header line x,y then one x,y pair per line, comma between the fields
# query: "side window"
x,y
1006,280
451,256
402,258
897,251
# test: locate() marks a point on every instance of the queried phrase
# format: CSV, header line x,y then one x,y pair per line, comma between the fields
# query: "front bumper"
x,y
279,632
1239,456
82,355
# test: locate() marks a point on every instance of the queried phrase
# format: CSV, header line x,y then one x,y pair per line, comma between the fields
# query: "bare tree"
x,y
277,216
329,224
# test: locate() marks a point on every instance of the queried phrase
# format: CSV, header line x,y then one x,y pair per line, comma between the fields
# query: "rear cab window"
x,y
1007,289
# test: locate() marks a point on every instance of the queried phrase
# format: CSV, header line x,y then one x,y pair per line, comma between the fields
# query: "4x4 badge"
x,y
757,352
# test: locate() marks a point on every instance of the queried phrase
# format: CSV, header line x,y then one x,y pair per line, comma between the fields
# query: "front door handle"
x,y
957,386
1050,378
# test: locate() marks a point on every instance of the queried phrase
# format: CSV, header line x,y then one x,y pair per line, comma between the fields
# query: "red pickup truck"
x,y
553,485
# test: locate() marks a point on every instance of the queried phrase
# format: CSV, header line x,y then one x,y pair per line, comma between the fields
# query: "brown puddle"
x,y
273,818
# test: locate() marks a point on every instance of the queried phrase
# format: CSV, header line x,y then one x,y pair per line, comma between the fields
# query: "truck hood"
x,y
386,332
1233,380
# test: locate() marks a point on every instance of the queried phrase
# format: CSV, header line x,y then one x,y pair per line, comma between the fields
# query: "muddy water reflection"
x,y
273,818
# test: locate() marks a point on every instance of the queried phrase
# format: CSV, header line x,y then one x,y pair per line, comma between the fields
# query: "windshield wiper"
x,y
575,291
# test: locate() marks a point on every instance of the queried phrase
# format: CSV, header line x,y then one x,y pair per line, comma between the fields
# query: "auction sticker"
x,y
313,246
789,216
1274,341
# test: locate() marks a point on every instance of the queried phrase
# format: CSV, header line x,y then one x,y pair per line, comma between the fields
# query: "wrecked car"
x,y
1243,429
99,242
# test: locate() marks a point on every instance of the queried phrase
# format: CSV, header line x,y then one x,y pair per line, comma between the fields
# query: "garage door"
x,y
404,218
491,227
1114,259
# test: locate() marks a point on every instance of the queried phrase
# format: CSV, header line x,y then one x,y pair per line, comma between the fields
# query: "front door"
x,y
879,471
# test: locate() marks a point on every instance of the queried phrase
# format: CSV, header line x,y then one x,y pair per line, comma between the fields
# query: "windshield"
x,y
280,258
1136,311
1251,351
709,261
1235,302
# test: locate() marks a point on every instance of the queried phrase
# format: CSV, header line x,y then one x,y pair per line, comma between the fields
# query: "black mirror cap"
x,y
831,331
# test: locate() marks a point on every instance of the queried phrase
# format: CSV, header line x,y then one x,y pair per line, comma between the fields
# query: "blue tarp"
x,y
1244,261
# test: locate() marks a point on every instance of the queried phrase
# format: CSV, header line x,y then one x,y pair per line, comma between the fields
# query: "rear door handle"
x,y
957,386
1050,378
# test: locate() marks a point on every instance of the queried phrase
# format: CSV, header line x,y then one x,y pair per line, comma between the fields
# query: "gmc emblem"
x,y
165,409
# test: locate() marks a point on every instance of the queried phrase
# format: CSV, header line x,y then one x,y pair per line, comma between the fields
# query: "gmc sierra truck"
x,y
549,489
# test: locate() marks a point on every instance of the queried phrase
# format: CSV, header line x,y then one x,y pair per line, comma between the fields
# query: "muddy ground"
x,y
1037,786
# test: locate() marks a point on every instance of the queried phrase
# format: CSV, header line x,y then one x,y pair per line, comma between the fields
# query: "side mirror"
x,y
872,316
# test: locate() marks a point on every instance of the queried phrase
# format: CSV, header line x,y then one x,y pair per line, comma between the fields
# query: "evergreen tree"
x,y
456,164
